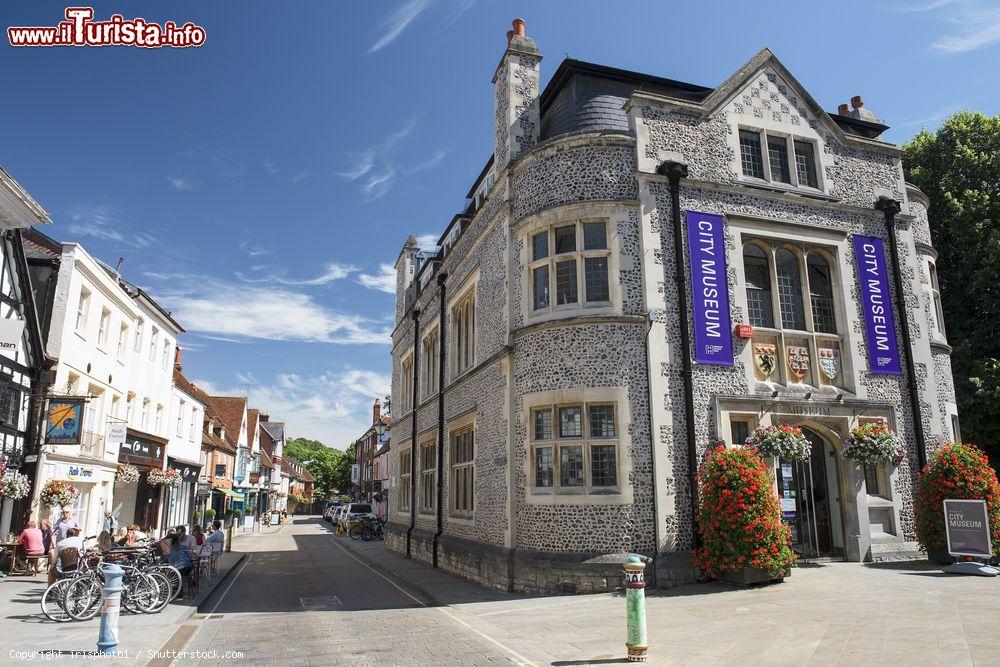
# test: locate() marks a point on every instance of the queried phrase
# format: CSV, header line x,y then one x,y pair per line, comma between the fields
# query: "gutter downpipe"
x,y
889,208
415,315
441,279
675,171
650,320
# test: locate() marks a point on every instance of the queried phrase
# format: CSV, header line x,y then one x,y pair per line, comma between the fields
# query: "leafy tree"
x,y
343,471
324,463
958,167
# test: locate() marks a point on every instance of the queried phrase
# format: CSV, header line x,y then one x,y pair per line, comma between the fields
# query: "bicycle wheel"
x,y
173,576
145,592
164,593
54,600
83,598
355,531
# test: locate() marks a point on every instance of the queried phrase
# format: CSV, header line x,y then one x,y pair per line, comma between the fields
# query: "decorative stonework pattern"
x,y
501,144
573,174
859,177
701,142
572,357
630,275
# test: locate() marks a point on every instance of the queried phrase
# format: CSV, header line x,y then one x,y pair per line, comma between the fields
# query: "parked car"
x,y
331,509
352,513
338,514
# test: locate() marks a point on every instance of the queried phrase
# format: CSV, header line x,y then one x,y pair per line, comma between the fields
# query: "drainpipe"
x,y
441,279
675,171
415,314
650,320
889,208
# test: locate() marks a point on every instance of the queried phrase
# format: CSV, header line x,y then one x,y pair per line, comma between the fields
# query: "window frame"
x,y
462,329
764,138
430,350
462,470
937,306
586,441
104,329
406,382
579,254
83,311
427,498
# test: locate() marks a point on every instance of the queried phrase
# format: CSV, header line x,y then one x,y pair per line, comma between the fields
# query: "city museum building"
x,y
646,267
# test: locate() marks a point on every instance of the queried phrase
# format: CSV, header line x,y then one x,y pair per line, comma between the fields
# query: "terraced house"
x,y
645,267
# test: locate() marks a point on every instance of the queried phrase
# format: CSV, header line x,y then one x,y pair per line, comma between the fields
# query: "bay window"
x,y
570,263
574,448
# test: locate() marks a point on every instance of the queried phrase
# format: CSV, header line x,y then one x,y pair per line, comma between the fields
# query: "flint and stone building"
x,y
555,378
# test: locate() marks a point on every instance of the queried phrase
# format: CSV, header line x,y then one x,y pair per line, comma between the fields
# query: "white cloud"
x,y
299,177
179,183
397,22
253,249
924,7
461,7
331,272
270,166
383,281
226,164
379,184
216,307
431,161
977,27
427,241
103,222
332,407
372,163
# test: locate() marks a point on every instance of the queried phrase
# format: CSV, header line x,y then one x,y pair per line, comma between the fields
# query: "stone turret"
x,y
406,265
516,86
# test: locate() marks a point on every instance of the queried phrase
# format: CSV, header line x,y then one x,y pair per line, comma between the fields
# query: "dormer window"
x,y
777,168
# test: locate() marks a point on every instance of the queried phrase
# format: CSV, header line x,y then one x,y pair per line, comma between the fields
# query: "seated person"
x,y
104,543
120,537
32,542
68,552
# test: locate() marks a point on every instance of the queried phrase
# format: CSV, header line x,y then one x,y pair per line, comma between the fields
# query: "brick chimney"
x,y
376,412
517,118
263,417
177,358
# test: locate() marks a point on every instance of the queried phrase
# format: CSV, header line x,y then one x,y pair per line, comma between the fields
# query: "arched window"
x,y
821,293
790,290
758,279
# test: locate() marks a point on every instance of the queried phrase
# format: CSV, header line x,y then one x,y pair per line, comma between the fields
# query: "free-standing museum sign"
x,y
967,525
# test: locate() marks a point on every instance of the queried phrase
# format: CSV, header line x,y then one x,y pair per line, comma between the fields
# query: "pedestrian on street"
x,y
65,522
110,523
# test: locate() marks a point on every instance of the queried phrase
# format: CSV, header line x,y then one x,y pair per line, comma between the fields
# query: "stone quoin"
x,y
540,430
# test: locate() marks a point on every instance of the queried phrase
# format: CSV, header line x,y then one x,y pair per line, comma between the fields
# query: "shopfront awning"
x,y
232,494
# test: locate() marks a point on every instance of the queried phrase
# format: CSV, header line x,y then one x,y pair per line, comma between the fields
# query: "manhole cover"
x,y
320,602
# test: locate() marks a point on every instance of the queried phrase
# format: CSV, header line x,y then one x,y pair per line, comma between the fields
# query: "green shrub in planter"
x,y
196,518
961,472
210,515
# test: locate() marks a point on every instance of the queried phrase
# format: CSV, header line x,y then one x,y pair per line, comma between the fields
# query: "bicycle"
x,y
372,529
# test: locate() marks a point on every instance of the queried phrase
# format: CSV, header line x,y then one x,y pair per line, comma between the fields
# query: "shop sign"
x,y
141,448
64,424
79,473
11,331
116,434
355,473
967,525
713,333
255,478
203,489
876,302
189,473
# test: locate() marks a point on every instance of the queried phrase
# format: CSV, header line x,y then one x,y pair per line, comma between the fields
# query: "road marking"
x,y
518,658
231,582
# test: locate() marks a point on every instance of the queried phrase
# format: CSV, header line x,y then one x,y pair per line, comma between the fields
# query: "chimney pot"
x,y
843,110
857,102
510,35
518,26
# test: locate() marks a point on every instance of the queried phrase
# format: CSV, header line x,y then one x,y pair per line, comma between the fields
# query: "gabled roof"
x,y
189,388
40,246
230,410
274,429
252,416
265,459
212,440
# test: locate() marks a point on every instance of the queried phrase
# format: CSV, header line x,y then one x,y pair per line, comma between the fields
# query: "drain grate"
x,y
324,602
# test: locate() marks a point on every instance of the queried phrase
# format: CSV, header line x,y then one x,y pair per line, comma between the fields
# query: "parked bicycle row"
x,y
355,519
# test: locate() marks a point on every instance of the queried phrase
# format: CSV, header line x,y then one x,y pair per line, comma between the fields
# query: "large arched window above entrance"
x,y
789,290
758,280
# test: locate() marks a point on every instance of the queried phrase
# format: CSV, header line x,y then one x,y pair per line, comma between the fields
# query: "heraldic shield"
x,y
798,361
765,356
829,362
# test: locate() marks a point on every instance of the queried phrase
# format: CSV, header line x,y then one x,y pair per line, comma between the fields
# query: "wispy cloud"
x,y
226,164
976,27
270,166
932,119
253,248
378,184
331,272
333,406
370,167
180,184
103,221
427,241
458,11
923,7
432,161
299,177
397,22
383,281
217,307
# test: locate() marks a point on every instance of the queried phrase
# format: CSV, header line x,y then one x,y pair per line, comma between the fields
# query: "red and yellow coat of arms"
x,y
798,361
765,357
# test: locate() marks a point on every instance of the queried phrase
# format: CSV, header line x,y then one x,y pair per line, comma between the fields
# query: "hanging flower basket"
x,y
168,477
783,442
16,487
127,474
874,443
58,493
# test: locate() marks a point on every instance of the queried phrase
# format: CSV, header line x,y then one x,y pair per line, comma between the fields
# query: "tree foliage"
x,y
324,463
958,168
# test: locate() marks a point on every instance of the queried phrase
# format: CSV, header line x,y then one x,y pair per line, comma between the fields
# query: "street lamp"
x,y
379,428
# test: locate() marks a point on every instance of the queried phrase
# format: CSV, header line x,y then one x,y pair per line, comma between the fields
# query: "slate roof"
x,y
40,246
274,429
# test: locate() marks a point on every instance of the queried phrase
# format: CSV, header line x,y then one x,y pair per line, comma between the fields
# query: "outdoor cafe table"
x,y
13,548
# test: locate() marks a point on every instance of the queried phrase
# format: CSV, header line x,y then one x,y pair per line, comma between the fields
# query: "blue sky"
x,y
261,185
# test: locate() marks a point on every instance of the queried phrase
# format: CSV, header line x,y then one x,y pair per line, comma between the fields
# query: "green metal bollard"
x,y
635,604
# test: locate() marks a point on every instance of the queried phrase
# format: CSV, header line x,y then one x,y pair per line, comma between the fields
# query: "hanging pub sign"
x,y
967,526
116,433
64,424
876,302
11,332
713,334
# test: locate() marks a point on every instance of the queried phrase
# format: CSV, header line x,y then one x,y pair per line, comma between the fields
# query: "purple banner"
x,y
713,333
876,302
